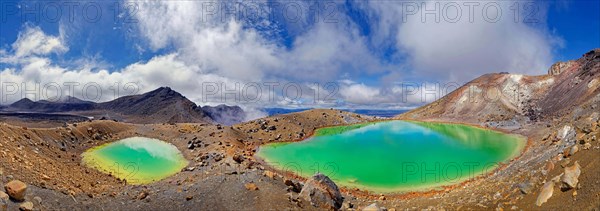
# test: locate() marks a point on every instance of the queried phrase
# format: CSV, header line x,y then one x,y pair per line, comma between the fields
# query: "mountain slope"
x,y
224,114
50,107
577,85
499,98
162,105
158,106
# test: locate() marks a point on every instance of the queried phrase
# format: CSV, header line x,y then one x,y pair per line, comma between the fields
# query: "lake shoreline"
x,y
136,172
363,191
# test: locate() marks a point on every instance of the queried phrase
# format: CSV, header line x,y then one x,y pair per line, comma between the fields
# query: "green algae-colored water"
x,y
396,156
138,160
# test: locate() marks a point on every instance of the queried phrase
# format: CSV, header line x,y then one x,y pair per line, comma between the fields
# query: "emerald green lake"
x,y
138,160
396,156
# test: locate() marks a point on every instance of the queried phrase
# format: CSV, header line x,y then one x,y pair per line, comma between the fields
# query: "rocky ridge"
x,y
157,106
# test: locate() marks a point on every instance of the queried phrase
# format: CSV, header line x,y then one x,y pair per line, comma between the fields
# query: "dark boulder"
x,y
321,192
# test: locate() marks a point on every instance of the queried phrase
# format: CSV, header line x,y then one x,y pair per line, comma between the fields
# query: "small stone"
x,y
218,157
567,134
382,198
3,205
143,195
269,174
574,149
187,198
347,206
497,196
587,146
37,199
566,152
293,198
570,178
239,158
251,186
295,186
525,187
288,182
26,206
545,193
574,193
4,196
581,137
372,207
565,162
16,190
549,166
45,177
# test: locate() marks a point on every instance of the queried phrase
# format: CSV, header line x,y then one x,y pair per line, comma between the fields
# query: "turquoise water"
x,y
138,160
396,156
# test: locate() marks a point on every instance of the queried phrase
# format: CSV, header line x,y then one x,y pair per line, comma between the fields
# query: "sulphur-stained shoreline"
x,y
401,192
125,164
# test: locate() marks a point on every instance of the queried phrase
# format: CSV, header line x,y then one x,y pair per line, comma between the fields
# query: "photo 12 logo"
x,y
289,11
252,92
208,10
327,11
71,11
52,91
473,11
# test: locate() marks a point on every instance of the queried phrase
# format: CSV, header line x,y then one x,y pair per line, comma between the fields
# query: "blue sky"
x,y
369,50
578,24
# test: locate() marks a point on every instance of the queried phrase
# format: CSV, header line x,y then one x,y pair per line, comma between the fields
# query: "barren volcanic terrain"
x,y
559,169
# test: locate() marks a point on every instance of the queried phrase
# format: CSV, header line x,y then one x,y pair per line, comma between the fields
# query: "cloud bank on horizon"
x,y
275,53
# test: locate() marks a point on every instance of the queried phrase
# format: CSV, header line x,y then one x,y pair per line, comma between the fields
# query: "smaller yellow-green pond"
x,y
138,160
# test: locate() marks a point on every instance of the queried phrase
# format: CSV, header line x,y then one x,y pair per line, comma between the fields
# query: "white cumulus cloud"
x,y
196,49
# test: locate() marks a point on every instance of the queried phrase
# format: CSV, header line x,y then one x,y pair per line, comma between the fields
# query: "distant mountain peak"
x,y
71,99
158,106
164,88
164,92
225,114
24,100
